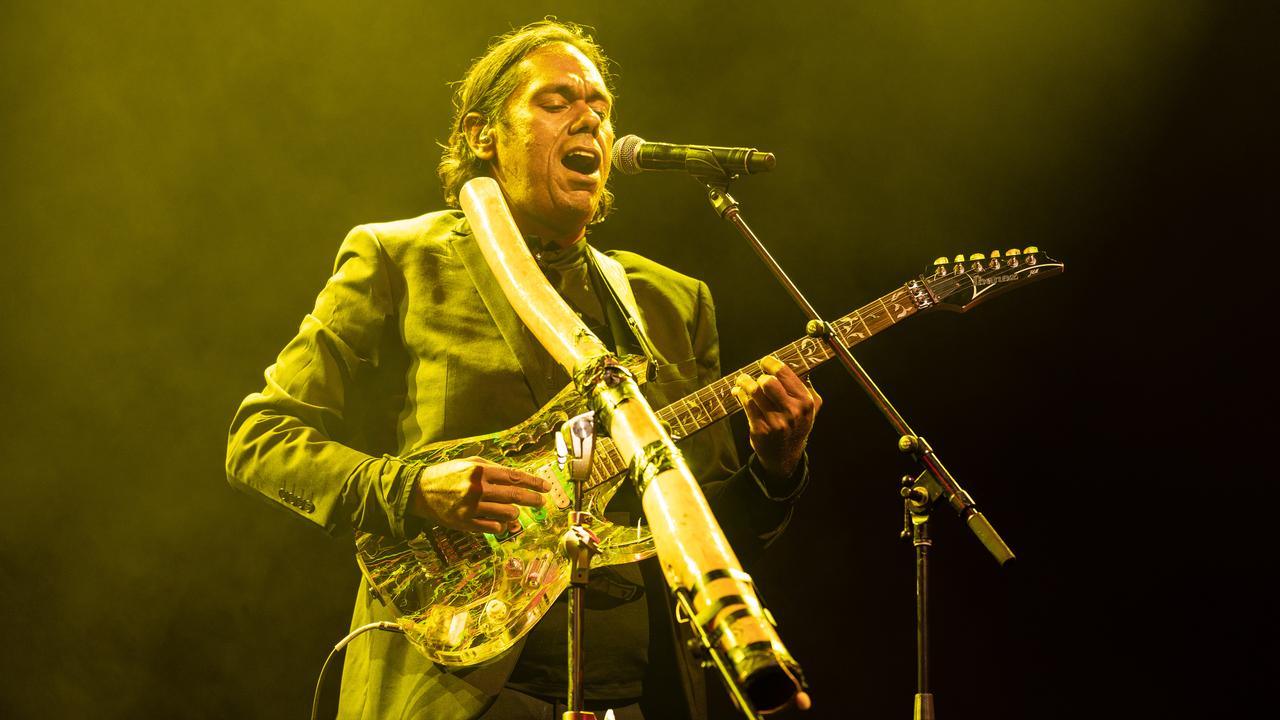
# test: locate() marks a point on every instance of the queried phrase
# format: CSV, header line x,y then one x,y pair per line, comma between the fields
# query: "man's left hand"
x,y
780,409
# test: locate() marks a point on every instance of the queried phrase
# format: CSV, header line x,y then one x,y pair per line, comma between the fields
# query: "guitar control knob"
x,y
496,610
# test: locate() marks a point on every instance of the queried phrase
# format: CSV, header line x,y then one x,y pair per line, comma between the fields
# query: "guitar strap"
x,y
686,672
614,279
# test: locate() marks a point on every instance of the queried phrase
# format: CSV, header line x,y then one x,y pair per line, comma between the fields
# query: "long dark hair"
x,y
487,85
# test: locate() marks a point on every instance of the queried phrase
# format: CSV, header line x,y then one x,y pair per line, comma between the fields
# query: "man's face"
x,y
552,149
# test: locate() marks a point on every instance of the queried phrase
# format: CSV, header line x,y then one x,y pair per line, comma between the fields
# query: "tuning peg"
x,y
959,259
977,256
1012,251
995,253
1030,250
941,261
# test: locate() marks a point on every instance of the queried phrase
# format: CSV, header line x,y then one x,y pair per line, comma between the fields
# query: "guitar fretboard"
x,y
715,402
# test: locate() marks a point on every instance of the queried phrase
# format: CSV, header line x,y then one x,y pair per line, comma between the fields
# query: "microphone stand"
x,y
934,482
915,526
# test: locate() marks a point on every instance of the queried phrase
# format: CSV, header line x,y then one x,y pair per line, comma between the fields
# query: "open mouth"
x,y
581,161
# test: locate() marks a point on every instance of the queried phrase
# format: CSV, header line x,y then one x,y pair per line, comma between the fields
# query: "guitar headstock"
x,y
961,283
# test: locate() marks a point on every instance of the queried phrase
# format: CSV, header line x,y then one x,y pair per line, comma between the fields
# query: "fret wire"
x,y
603,457
695,398
865,326
607,459
843,329
704,397
679,415
677,422
723,389
792,357
704,403
689,419
887,312
613,460
724,411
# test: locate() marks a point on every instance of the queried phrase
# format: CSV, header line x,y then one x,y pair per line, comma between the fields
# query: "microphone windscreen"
x,y
624,154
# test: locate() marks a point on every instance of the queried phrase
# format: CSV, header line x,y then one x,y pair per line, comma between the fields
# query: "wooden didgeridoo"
x,y
698,563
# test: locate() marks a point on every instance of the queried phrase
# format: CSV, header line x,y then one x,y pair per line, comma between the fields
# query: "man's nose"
x,y
587,121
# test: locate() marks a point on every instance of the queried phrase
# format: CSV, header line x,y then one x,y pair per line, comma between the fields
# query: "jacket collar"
x,y
543,376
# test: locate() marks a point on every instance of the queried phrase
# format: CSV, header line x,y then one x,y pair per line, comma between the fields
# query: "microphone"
x,y
632,155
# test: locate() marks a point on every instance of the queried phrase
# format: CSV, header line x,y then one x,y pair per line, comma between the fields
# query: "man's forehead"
x,y
559,63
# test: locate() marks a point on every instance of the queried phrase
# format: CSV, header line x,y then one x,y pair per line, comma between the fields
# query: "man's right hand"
x,y
474,494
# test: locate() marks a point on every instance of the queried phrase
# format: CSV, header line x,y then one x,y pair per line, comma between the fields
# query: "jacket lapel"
x,y
544,377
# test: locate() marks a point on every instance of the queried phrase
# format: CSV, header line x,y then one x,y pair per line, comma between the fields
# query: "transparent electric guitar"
x,y
465,598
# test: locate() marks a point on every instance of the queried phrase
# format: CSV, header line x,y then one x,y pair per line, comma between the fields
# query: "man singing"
x,y
411,342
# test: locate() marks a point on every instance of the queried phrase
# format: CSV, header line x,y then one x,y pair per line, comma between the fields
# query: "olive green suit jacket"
x,y
411,341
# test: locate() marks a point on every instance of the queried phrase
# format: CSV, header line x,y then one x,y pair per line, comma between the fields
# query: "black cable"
x,y
388,626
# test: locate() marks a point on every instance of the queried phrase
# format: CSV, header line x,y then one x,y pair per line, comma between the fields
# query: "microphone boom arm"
x,y
908,441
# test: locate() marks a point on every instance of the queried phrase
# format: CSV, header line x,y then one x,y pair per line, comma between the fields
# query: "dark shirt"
x,y
615,615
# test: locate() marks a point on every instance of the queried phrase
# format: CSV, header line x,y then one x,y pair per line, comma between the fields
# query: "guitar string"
x,y
700,401
872,319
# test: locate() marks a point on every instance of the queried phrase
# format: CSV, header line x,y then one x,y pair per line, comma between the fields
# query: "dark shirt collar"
x,y
554,257
548,255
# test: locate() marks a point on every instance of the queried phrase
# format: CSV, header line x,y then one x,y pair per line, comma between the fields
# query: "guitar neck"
x,y
716,402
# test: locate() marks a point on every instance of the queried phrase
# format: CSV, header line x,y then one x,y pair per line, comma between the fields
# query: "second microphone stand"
x,y
575,444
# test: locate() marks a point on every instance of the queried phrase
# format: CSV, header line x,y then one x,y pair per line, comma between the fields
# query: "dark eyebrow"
x,y
570,90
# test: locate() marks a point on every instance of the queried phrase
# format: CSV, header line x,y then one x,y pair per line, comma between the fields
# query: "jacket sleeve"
x,y
286,443
752,507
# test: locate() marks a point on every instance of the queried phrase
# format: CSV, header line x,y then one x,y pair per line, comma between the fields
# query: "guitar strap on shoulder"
x,y
615,281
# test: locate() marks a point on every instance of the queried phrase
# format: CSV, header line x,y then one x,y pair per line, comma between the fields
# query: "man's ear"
x,y
479,136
